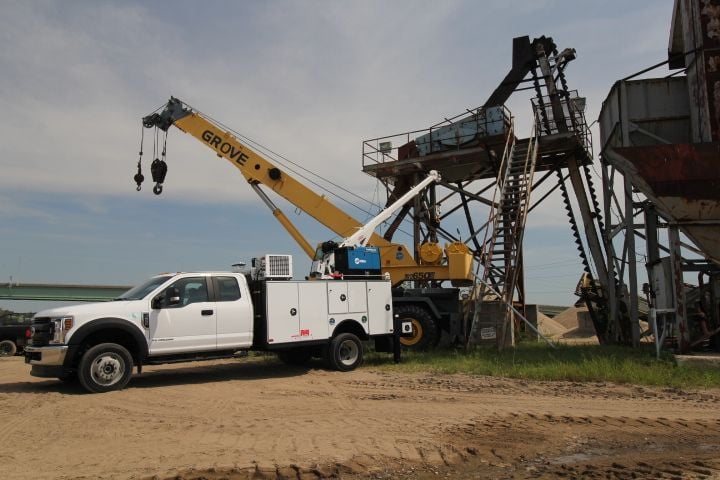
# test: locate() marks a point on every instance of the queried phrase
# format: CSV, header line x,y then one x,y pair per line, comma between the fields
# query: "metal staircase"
x,y
502,248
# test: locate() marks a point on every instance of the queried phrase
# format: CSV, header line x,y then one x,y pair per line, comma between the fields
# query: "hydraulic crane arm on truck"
x,y
365,259
362,236
431,308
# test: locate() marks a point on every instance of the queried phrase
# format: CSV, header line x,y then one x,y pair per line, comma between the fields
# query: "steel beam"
x,y
588,223
632,265
608,189
679,287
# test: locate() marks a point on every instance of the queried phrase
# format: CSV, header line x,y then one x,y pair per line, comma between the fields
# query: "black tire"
x,y
426,333
715,342
105,367
300,356
7,348
345,352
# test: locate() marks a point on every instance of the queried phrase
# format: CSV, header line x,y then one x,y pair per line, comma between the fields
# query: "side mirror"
x,y
156,303
173,295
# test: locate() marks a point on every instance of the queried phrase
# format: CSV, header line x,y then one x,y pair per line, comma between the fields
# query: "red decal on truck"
x,y
304,333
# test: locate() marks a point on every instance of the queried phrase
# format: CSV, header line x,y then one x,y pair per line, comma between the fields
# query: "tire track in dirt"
x,y
258,419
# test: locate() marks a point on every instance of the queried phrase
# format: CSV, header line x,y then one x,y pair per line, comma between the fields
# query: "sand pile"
x,y
577,325
549,327
568,318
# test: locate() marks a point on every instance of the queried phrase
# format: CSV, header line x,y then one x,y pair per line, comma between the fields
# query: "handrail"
x,y
530,157
493,219
574,119
373,154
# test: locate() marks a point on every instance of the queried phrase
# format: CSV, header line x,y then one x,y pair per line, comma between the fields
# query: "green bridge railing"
x,y
60,293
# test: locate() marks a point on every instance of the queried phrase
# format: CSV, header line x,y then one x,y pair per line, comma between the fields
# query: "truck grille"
x,y
43,330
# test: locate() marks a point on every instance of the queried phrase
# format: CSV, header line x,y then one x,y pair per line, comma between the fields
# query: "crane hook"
x,y
158,168
139,177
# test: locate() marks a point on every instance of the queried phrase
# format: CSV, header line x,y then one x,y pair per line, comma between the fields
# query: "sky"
x,y
308,79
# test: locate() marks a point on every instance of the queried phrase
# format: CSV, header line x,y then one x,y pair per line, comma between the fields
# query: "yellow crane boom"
x,y
257,170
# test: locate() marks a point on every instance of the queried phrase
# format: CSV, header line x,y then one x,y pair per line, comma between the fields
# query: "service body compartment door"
x,y
379,298
337,293
283,321
313,311
357,297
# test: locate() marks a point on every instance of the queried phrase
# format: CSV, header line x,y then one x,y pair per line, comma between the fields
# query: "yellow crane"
x,y
452,263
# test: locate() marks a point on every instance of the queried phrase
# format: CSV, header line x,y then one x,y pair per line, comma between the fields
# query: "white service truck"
x,y
178,317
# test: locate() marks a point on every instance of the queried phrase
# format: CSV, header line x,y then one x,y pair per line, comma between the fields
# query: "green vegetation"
x,y
580,363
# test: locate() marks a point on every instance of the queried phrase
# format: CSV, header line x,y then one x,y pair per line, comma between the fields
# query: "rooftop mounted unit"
x,y
272,267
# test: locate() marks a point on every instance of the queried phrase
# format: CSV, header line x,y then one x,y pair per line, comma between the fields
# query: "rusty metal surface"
x,y
691,171
709,11
683,182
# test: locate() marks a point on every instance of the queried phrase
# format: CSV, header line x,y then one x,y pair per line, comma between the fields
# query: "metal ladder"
x,y
502,247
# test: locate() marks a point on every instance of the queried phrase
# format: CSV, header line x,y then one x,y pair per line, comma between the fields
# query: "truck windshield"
x,y
136,293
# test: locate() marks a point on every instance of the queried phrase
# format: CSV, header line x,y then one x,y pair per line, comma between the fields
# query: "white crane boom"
x,y
361,237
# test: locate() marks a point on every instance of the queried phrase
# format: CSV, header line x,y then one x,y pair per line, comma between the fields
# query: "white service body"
x,y
195,316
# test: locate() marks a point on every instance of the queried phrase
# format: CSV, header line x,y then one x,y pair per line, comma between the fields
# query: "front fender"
x,y
98,325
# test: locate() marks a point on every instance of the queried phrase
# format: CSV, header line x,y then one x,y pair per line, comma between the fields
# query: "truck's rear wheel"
x,y
425,332
105,367
345,352
7,348
295,357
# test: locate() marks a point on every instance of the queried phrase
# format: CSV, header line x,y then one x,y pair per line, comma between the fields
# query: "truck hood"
x,y
106,309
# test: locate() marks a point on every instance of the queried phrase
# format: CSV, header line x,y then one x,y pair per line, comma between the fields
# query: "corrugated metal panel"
x,y
610,116
659,106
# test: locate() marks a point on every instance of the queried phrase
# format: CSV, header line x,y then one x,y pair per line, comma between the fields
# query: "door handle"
x,y
206,312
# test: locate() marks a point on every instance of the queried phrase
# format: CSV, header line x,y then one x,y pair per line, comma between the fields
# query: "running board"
x,y
194,357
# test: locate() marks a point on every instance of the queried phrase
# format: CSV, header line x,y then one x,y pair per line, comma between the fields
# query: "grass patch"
x,y
579,363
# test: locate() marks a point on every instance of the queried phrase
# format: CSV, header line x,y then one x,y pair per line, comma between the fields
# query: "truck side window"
x,y
192,290
227,289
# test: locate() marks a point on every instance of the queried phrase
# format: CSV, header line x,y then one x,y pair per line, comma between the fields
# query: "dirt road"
x,y
254,418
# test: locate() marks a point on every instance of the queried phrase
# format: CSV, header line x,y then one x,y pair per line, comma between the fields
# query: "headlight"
x,y
61,326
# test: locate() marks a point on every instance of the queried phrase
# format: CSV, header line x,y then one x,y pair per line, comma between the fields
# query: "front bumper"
x,y
47,361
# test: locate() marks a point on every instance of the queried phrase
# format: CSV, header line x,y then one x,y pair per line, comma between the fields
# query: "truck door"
x,y
234,313
186,320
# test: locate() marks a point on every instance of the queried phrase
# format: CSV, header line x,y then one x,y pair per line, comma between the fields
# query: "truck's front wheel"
x,y
7,348
425,332
345,352
105,367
